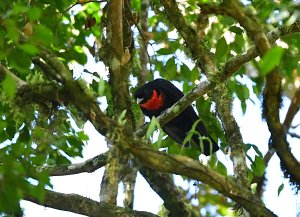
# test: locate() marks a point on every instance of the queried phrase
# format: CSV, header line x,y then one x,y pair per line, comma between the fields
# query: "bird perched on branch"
x,y
156,96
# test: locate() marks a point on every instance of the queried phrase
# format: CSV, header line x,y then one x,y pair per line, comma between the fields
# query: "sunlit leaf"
x,y
221,48
151,127
9,86
29,48
82,136
34,13
270,60
258,166
170,68
221,168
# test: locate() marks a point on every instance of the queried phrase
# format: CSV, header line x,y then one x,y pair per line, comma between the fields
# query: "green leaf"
x,y
258,166
238,44
29,48
10,130
75,142
101,87
270,60
24,135
191,132
19,59
250,175
212,161
236,30
280,188
160,138
152,127
12,30
136,4
221,48
9,86
81,135
166,51
188,138
121,119
221,168
185,69
257,150
191,152
34,13
170,69
42,34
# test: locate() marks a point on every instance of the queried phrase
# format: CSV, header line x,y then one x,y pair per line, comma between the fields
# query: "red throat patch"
x,y
155,102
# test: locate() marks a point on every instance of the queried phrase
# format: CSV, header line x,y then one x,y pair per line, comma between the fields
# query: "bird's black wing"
x,y
172,93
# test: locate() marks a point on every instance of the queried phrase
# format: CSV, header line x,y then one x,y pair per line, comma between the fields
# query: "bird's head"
x,y
144,93
150,97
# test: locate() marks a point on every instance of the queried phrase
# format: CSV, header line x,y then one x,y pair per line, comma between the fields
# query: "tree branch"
x,y
143,43
295,135
88,166
85,206
182,165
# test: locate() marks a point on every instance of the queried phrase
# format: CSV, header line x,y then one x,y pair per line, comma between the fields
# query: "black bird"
x,y
156,96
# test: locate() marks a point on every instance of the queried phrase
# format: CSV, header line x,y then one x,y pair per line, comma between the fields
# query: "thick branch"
x,y
143,43
50,93
85,206
182,165
234,137
111,177
119,36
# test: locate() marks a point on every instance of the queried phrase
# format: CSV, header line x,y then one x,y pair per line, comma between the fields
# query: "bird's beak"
x,y
139,100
